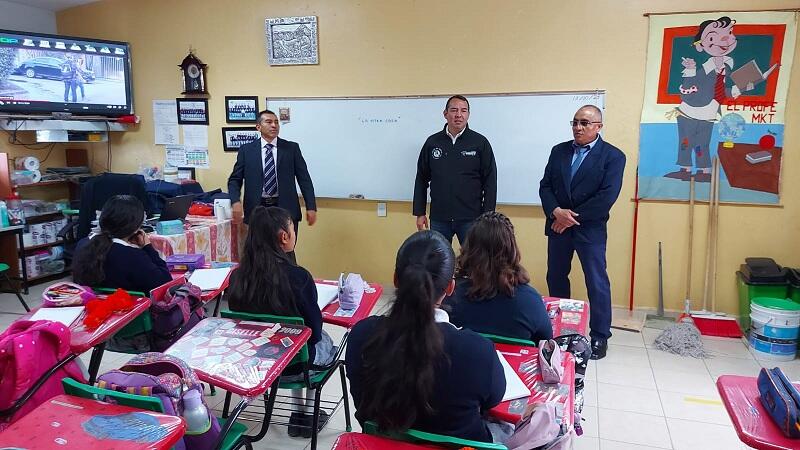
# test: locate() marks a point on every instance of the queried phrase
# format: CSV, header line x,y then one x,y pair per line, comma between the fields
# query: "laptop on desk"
x,y
176,207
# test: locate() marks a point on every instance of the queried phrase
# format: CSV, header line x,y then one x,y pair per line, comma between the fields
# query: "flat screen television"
x,y
42,73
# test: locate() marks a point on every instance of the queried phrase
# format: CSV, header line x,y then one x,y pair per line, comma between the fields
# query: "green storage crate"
x,y
748,291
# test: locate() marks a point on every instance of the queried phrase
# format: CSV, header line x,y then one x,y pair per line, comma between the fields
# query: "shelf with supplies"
x,y
46,217
43,246
41,184
47,276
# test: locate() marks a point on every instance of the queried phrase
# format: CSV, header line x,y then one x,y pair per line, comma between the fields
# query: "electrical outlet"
x,y
381,209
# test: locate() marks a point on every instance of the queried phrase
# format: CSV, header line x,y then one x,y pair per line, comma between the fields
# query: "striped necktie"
x,y
270,175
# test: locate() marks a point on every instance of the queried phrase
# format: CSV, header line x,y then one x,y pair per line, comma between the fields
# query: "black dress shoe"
x,y
323,419
599,349
296,422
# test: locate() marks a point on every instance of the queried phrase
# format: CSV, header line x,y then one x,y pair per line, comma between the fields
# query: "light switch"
x,y
381,209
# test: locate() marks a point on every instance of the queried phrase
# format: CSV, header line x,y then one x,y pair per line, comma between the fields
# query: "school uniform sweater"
x,y
130,267
522,316
305,295
469,381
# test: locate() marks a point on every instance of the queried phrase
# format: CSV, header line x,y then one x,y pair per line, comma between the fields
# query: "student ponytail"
x,y
121,218
401,359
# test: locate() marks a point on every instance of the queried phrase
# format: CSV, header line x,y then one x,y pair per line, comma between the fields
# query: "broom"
x,y
713,323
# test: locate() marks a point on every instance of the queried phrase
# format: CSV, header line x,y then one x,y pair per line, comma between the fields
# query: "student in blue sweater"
x,y
120,255
492,292
269,282
412,369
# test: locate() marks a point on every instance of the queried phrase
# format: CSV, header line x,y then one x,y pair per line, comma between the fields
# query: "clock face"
x,y
193,71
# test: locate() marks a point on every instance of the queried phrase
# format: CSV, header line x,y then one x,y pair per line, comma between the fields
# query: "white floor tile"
x,y
627,398
625,355
591,370
606,444
634,428
660,359
736,348
587,443
705,409
727,365
649,335
688,435
629,338
692,383
590,422
590,392
641,377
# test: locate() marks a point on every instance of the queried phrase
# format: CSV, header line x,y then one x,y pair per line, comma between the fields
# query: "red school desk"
x,y
333,315
568,316
359,441
242,357
752,422
206,296
563,393
67,422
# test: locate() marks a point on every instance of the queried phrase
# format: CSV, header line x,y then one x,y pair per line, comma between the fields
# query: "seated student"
x,y
120,255
408,370
268,282
492,292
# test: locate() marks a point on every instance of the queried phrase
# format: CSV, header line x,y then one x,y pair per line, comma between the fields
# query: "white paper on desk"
x,y
209,279
65,315
326,293
515,388
195,135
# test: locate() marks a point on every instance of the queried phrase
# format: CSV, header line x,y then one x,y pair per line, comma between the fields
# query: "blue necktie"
x,y
581,153
270,176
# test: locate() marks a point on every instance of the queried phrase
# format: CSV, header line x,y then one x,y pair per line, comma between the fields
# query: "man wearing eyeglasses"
x,y
581,182
458,164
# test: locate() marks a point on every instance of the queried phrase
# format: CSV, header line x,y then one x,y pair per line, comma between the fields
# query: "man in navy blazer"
x,y
581,182
269,167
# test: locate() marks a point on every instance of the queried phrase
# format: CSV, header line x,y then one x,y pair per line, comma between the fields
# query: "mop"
x,y
658,320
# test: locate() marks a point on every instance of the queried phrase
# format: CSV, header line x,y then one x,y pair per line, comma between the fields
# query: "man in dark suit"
x,y
269,167
581,182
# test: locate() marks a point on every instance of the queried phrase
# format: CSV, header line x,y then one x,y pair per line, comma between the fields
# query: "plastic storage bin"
x,y
748,290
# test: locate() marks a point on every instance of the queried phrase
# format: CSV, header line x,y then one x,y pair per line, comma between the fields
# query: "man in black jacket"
x,y
459,166
268,168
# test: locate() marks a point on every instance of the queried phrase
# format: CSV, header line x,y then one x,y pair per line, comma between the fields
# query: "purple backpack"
x,y
178,312
167,378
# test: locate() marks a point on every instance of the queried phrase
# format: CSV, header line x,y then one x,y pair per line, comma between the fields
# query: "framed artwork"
x,y
235,137
292,40
186,173
192,111
241,109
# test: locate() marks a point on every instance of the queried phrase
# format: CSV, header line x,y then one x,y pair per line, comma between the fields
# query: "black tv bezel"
x,y
26,110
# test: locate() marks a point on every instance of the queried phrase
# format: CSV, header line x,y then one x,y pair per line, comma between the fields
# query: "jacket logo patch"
x,y
436,153
469,153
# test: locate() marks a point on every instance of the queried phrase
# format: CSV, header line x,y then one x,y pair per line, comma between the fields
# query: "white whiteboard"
x,y
368,147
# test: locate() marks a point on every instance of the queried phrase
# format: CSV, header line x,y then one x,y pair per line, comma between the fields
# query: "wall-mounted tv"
x,y
42,73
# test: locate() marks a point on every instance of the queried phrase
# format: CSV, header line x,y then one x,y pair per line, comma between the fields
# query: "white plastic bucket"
x,y
775,323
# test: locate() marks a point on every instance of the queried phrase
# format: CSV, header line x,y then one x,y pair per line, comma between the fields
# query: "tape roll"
x,y
26,163
26,176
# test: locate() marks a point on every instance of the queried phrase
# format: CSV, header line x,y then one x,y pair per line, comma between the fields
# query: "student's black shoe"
x,y
296,421
599,349
323,419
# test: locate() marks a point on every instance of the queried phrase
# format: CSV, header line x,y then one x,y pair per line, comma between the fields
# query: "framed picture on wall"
x,y
292,40
186,173
192,111
241,109
235,137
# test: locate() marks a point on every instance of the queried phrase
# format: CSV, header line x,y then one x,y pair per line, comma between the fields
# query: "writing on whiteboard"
x,y
586,97
379,120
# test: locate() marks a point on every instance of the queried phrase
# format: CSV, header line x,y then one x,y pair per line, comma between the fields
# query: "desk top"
x,y
180,278
333,315
359,441
67,422
751,421
563,393
240,356
82,339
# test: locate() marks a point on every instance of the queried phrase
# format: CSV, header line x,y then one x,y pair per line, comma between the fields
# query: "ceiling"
x,y
52,5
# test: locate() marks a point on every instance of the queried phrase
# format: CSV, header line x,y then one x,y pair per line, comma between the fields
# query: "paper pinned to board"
x,y
65,315
515,388
209,279
326,293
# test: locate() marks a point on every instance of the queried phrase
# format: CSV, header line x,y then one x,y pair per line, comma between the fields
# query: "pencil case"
x,y
184,263
65,293
781,400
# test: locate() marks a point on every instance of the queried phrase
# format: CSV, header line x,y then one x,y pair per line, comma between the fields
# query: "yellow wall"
x,y
407,47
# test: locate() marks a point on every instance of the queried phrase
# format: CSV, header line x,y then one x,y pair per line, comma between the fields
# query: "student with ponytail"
x,y
268,281
492,292
413,369
120,254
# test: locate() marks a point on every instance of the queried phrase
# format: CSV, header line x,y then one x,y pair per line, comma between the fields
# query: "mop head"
x,y
682,339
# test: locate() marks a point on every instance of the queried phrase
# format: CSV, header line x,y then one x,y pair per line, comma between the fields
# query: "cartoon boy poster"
x,y
716,87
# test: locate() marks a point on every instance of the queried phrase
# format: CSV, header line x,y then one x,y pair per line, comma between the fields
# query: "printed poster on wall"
x,y
716,86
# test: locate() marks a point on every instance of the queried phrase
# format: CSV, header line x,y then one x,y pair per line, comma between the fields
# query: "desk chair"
x,y
235,438
508,340
4,277
314,377
412,435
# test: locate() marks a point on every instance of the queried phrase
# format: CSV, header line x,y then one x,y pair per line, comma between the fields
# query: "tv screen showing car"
x,y
42,73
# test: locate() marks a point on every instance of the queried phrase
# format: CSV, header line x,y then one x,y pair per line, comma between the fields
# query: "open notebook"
x,y
515,388
65,315
209,279
326,293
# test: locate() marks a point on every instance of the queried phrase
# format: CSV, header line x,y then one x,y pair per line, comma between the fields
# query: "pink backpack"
x,y
28,350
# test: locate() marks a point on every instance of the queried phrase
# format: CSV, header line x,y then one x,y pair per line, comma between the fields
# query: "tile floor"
x,y
636,398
